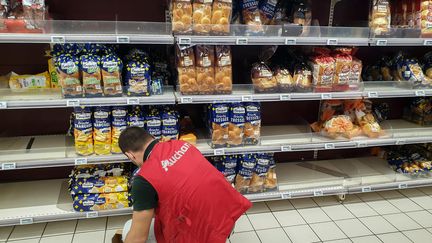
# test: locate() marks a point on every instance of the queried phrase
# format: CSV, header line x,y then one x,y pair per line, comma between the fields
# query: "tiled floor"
x,y
393,216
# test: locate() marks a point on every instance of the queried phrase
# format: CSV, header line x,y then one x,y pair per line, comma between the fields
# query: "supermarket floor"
x,y
390,216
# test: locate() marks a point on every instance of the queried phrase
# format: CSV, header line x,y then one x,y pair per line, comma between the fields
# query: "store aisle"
x,y
391,216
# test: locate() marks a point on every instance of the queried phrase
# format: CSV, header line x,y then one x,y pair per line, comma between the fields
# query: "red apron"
x,y
196,203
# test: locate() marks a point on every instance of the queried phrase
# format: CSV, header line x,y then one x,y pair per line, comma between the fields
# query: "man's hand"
x,y
141,221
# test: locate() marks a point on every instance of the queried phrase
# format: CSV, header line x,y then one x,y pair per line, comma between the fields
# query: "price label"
x,y
186,100
361,144
184,41
420,93
246,98
26,221
284,97
332,42
427,42
329,146
286,148
123,39
80,161
94,214
400,142
8,166
58,39
242,41
286,195
381,42
403,186
290,41
366,189
318,193
373,94
219,151
72,103
326,96
3,104
133,101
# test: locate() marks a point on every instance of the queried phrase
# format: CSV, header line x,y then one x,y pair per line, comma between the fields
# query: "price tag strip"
x,y
285,148
186,100
326,96
247,98
329,146
283,97
242,41
133,101
366,189
26,221
93,214
184,41
373,94
3,105
58,39
218,152
72,103
381,42
318,193
420,93
8,166
403,186
332,42
81,161
286,195
427,43
123,39
290,41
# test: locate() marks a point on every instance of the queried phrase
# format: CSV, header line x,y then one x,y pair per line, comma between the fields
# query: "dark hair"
x,y
133,139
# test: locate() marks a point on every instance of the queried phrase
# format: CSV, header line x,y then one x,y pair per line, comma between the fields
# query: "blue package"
x,y
67,67
111,66
83,130
252,128
229,165
170,126
267,10
218,124
137,78
154,123
91,75
118,125
135,117
97,202
246,166
237,119
260,173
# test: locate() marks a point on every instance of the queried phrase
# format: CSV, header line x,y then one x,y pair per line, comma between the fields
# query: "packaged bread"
x,y
185,57
153,123
426,18
267,10
204,57
37,81
118,125
135,117
137,78
202,13
302,77
343,64
218,124
100,170
223,70
284,79
181,16
102,130
252,127
186,71
103,201
83,131
221,17
259,174
170,125
91,75
263,79
251,15
355,74
323,70
365,119
227,165
108,184
410,71
237,119
67,67
111,66
246,165
270,182
380,17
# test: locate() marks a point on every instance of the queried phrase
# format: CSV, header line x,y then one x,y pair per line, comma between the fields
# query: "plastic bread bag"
x,y
221,17
237,119
98,202
246,165
19,82
302,15
251,16
366,120
413,73
302,77
263,79
153,123
67,67
426,18
223,70
33,13
170,125
283,78
427,65
102,130
91,75
380,17
135,117
137,78
270,182
187,79
267,9
4,8
219,120
343,63
323,70
83,131
252,127
259,174
112,67
355,74
227,165
202,14
118,125
99,185
181,16
340,126
204,57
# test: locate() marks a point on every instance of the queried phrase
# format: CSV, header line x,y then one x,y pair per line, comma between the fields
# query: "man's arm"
x,y
141,221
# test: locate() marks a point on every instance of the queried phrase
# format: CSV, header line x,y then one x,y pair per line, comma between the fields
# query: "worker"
x,y
190,199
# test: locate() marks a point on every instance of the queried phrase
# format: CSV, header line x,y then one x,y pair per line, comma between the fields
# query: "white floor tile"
x,y
326,201
366,239
411,192
22,232
351,198
259,207
313,215
88,225
391,194
353,227
58,239
289,218
5,232
280,205
303,203
243,224
60,228
378,225
405,204
426,190
424,218
109,234
249,237
277,235
263,221
337,212
327,231
394,238
420,235
424,201
402,221
383,207
301,234
89,237
34,240
339,241
370,196
360,209
117,222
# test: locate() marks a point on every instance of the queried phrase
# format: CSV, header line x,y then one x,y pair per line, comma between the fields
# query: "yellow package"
x,y
53,73
119,124
102,131
83,131
29,81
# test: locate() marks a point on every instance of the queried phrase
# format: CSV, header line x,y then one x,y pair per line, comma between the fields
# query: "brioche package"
x,y
111,66
135,117
221,17
252,127
170,125
218,124
153,123
227,165
237,119
380,17
202,14
267,10
302,77
284,79
137,78
107,184
91,75
181,16
205,57
270,182
263,79
259,174
223,70
102,130
426,18
323,70
246,166
67,67
251,15
83,131
119,124
186,71
103,201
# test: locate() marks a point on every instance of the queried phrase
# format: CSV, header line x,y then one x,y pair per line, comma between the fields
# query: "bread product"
x,y
112,66
251,15
202,13
302,77
189,137
181,16
69,75
259,174
83,131
119,124
411,71
302,14
426,18
185,57
380,17
221,17
170,125
252,127
262,78
267,10
102,130
218,123
153,123
19,82
33,13
355,74
135,117
91,75
365,119
343,64
284,79
98,202
323,70
237,116
223,70
246,165
100,170
187,77
4,8
227,165
205,57
98,185
137,78
270,182
340,126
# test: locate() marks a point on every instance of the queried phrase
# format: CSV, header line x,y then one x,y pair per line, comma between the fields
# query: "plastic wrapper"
x,y
137,78
343,64
34,13
420,111
19,82
252,126
170,125
118,125
135,117
99,185
323,70
259,174
111,66
4,8
365,119
251,15
202,13
267,10
302,78
237,119
227,165
100,170
218,124
181,16
83,131
223,70
91,75
102,130
154,123
67,67
246,168
187,76
263,79
221,17
426,18
204,57
97,202
270,182
427,66
284,79
410,70
302,15
355,74
380,17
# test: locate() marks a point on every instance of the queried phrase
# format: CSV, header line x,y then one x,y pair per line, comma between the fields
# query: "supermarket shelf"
x,y
52,98
56,150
